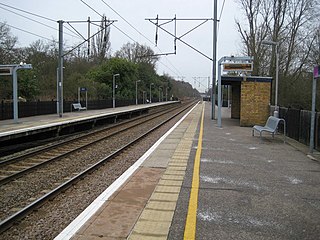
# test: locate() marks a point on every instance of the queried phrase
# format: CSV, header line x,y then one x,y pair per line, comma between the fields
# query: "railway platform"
x,y
203,182
54,125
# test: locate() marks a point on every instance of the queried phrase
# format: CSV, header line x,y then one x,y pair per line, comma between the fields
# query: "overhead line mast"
x,y
62,54
159,22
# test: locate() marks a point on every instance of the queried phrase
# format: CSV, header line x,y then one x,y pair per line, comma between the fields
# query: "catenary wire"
x,y
141,35
222,8
127,34
36,15
29,32
34,34
91,8
221,11
35,21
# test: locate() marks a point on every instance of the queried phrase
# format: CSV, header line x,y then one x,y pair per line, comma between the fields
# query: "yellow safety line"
x,y
191,222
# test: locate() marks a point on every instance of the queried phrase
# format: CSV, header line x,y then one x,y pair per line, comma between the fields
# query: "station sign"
x,y
83,89
5,71
243,67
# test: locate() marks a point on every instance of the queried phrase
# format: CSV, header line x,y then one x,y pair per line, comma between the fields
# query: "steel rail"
x,y
32,168
8,222
29,154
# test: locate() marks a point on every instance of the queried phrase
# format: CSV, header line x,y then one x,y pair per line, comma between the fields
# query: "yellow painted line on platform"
x,y
191,222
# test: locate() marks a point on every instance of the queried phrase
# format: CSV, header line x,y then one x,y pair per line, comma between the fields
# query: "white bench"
x,y
77,106
271,127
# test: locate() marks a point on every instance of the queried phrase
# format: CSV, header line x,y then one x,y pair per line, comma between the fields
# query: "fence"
x,y
28,109
298,124
298,121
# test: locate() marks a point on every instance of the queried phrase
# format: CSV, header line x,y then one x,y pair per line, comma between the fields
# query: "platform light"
x,y
113,89
137,91
267,42
151,84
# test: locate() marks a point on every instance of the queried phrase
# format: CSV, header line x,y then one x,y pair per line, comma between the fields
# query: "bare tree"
x,y
292,25
299,35
253,32
7,44
101,44
137,53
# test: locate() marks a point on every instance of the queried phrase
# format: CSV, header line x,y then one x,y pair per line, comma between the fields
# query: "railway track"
x,y
44,195
15,167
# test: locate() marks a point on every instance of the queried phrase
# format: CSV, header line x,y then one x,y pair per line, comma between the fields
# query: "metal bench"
x,y
271,127
77,106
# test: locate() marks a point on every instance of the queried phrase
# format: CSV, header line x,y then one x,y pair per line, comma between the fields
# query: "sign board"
x,y
83,89
316,71
243,67
5,71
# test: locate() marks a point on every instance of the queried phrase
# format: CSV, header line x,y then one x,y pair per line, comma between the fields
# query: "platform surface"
x,y
9,126
248,189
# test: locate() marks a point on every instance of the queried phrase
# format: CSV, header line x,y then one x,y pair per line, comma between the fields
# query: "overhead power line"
x,y
127,34
222,8
29,32
36,15
35,21
221,11
28,18
126,21
140,34
91,8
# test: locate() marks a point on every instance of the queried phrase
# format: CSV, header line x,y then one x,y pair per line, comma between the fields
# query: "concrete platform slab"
x,y
118,216
250,188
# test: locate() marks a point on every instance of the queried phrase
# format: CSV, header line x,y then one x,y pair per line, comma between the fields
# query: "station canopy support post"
x,y
11,70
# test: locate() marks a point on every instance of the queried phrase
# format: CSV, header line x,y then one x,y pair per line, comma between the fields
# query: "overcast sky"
x,y
186,63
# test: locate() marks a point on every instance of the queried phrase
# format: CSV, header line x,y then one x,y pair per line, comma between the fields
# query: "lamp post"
x,y
166,94
266,42
143,98
137,91
150,92
114,89
59,92
159,93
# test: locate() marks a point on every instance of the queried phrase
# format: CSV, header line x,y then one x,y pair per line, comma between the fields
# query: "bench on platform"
x,y
271,127
77,106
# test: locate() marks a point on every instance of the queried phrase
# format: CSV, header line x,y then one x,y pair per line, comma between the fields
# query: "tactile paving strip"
x,y
156,218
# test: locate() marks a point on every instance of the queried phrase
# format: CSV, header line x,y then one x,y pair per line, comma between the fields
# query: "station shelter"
x,y
250,98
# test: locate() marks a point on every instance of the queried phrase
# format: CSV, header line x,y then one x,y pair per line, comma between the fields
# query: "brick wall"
x,y
255,99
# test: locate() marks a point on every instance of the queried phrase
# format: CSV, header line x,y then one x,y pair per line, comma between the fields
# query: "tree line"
x,y
90,68
295,27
